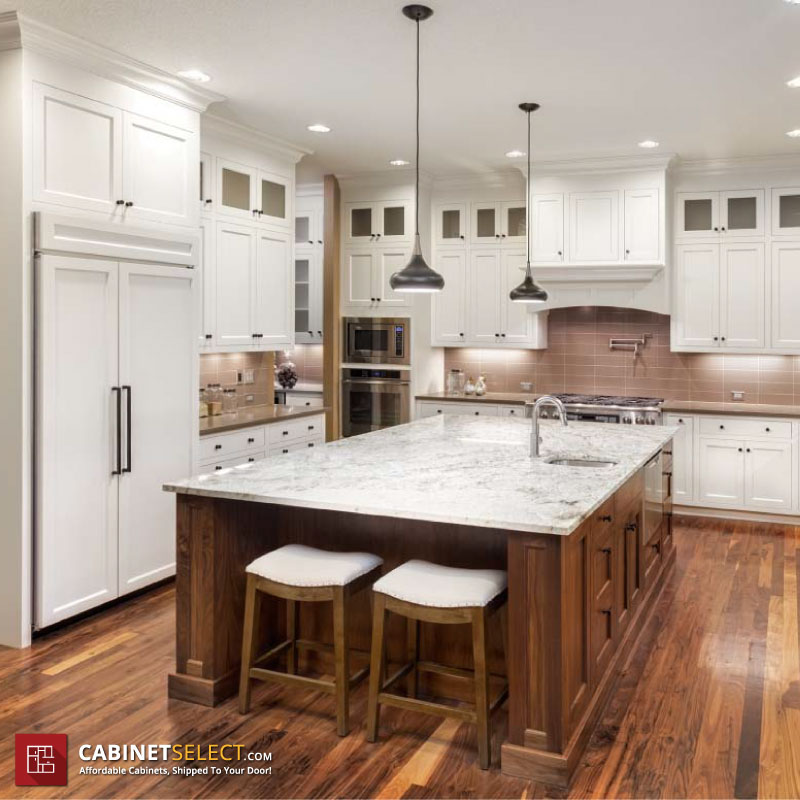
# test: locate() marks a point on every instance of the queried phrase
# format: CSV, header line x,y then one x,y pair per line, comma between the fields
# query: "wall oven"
x,y
373,399
377,340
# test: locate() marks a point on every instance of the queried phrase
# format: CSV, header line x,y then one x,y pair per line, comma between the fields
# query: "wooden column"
x,y
331,354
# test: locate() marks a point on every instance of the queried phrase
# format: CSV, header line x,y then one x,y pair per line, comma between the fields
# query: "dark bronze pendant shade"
x,y
417,276
528,291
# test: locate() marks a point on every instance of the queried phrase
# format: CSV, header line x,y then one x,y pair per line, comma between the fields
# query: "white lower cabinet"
x,y
683,457
430,408
768,475
721,471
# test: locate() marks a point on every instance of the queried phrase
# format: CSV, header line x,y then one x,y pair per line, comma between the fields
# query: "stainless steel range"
x,y
608,408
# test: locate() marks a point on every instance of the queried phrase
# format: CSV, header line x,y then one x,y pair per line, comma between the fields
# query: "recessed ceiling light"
x,y
318,128
794,134
648,144
195,75
399,162
515,154
794,83
792,2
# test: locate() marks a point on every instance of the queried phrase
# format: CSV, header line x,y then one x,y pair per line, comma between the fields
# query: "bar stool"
x,y
298,573
421,591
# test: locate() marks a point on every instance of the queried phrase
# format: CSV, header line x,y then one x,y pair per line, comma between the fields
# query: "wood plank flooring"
x,y
708,705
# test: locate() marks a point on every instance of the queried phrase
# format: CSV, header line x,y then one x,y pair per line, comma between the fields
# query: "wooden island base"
x,y
576,604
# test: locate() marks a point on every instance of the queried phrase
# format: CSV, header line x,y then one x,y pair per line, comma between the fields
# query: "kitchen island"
x,y
586,551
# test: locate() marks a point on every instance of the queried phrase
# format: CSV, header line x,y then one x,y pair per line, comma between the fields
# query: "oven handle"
x,y
376,382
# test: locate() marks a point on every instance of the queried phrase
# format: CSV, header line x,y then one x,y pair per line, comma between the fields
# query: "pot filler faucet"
x,y
532,411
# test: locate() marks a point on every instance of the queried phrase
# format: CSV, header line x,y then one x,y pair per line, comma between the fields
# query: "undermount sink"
x,y
580,462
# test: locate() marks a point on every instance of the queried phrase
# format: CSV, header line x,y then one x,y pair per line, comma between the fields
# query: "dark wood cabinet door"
x,y
602,623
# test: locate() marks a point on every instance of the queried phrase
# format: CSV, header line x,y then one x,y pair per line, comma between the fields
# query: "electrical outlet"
x,y
737,395
245,376
248,398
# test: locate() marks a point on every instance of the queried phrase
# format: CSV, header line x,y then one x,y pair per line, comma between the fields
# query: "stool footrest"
x,y
401,673
292,680
427,706
453,672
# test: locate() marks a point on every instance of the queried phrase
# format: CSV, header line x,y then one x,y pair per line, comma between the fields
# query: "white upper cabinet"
x,y
273,199
785,280
274,308
786,212
308,296
450,224
513,220
642,225
449,306
725,215
77,151
696,297
388,261
235,285
206,291
367,271
159,171
594,226
386,222
742,297
207,186
741,213
547,227
485,223
236,189
308,224
485,285
96,157
697,215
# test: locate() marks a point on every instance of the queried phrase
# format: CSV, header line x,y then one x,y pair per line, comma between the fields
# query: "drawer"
x,y
216,466
293,447
511,411
731,426
630,493
224,444
304,400
296,429
456,408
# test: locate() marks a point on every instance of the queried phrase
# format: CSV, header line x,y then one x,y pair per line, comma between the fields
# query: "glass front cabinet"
x,y
387,222
728,214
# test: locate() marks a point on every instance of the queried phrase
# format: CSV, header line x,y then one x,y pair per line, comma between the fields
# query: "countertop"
x,y
687,406
300,387
258,415
452,469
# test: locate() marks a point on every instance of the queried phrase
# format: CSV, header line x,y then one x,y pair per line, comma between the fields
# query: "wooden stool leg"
x,y
377,665
252,608
342,658
291,635
480,655
412,632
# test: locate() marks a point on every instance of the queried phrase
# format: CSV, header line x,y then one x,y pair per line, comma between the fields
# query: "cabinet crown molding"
x,y
17,30
602,165
244,134
723,166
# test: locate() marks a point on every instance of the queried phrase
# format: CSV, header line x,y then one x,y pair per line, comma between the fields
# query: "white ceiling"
x,y
706,78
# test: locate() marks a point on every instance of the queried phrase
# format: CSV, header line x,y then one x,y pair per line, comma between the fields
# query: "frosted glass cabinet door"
x,y
697,215
77,151
76,452
160,176
451,224
236,189
786,212
514,222
157,363
485,223
274,199
741,213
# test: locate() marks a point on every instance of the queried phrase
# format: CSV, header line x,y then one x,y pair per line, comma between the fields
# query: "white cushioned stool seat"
x,y
433,585
298,565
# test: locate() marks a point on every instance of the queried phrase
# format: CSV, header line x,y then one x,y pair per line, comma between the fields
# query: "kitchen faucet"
x,y
532,411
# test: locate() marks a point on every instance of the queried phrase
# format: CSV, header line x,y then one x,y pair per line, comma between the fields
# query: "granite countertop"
x,y
258,415
463,470
509,398
699,407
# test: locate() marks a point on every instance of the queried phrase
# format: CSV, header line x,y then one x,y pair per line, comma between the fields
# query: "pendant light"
x,y
417,276
528,291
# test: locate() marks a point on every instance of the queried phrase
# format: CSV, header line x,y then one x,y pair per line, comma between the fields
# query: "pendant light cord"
x,y
528,202
416,185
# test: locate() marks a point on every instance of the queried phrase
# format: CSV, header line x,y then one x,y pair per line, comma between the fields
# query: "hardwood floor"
x,y
709,706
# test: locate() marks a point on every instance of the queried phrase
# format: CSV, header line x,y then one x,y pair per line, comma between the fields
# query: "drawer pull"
x,y
311,444
284,450
605,611
250,440
311,427
217,467
218,447
606,550
285,433
605,518
631,527
251,459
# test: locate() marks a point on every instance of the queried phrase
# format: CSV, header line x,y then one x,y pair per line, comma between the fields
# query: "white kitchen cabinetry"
x,y
485,284
97,157
719,295
498,223
547,223
273,313
386,222
207,184
720,215
785,281
682,457
450,224
429,408
642,229
235,285
367,273
115,412
206,292
594,226
721,471
768,475
449,307
308,295
248,192
786,211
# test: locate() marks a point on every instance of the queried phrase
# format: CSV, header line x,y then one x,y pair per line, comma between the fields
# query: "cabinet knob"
x,y
460,334
251,459
722,228
630,527
311,427
606,550
716,228
605,518
722,338
627,252
208,201
284,450
722,427
250,440
209,336
438,410
716,338
560,253
319,333
217,467
120,202
497,236
218,447
748,449
502,335
502,236
319,241
377,236
128,203
285,433
311,241
461,236
766,429
377,299
740,449
311,333
477,413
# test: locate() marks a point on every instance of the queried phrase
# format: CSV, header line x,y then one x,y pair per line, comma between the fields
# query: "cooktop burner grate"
x,y
610,400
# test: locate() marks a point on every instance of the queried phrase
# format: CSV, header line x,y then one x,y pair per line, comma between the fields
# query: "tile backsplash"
x,y
222,368
308,360
578,359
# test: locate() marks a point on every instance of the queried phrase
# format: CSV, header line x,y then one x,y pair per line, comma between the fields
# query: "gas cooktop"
x,y
609,400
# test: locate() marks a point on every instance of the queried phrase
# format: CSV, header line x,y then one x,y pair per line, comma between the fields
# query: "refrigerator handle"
x,y
128,464
118,469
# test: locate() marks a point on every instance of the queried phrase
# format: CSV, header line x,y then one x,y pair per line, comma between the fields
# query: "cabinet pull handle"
x,y
120,202
128,427
251,459
605,611
209,336
250,440
630,527
284,450
311,444
218,447
208,201
605,518
311,427
217,467
285,433
118,468
656,546
128,203
606,550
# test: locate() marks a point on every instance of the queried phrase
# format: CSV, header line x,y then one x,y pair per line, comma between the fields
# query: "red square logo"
x,y
40,759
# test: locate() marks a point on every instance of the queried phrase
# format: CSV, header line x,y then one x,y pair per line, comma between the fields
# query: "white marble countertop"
x,y
463,470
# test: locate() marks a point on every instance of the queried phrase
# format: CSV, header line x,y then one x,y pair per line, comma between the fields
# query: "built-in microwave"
x,y
377,340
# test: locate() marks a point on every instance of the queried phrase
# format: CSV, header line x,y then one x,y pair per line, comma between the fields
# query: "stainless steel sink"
x,y
580,462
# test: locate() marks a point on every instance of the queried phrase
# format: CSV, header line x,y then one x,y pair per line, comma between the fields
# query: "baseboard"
x,y
732,514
